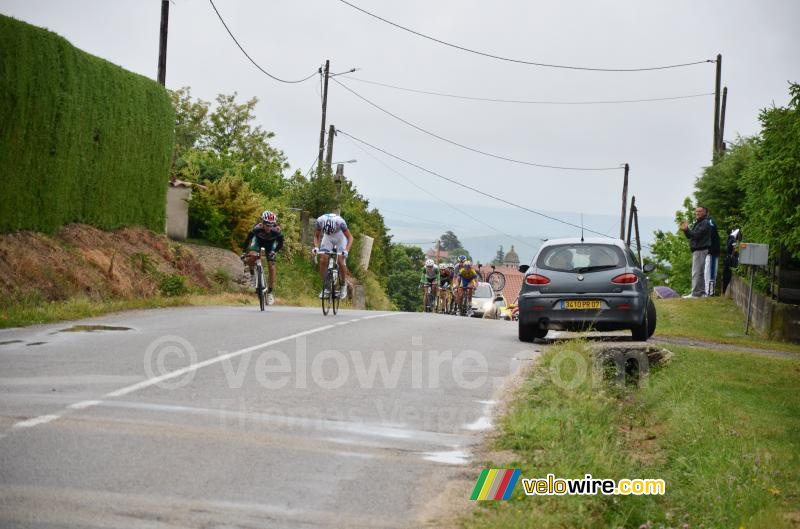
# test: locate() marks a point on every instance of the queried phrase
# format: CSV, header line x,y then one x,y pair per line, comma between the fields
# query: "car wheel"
x,y
527,333
639,332
651,318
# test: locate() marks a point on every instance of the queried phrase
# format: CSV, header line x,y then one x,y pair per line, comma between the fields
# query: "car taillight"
x,y
625,279
536,279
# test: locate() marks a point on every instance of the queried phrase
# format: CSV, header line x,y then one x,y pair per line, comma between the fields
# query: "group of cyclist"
x,y
448,283
331,234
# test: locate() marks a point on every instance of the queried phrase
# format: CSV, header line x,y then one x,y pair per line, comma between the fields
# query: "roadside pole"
x,y
326,74
329,153
721,146
716,107
162,43
624,204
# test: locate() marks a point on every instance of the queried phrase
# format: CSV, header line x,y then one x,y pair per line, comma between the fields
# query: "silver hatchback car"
x,y
576,284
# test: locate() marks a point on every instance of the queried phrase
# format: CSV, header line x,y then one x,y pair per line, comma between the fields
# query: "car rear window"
x,y
483,291
580,256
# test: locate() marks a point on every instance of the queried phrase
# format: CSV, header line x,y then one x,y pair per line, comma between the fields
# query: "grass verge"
x,y
711,319
720,428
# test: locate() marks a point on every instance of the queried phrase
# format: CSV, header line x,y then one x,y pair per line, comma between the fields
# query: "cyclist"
x,y
266,234
445,279
467,279
430,277
331,230
459,263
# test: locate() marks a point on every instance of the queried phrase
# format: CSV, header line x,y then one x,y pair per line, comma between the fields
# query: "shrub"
x,y
173,285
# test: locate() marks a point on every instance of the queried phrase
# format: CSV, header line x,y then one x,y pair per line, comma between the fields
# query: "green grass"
x,y
711,319
720,428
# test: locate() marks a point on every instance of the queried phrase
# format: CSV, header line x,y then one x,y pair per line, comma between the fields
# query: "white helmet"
x,y
269,218
429,263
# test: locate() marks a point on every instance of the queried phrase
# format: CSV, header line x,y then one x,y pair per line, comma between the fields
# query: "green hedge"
x,y
81,139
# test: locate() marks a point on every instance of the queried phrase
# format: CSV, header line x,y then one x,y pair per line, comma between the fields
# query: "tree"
x,y
403,278
450,241
210,145
672,254
721,188
772,180
499,257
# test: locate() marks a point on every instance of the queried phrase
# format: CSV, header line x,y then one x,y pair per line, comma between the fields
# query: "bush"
x,y
173,285
81,139
224,212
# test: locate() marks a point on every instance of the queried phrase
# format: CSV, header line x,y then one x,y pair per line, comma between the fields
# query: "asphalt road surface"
x,y
228,417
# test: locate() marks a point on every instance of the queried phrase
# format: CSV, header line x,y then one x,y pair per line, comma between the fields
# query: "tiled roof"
x,y
514,280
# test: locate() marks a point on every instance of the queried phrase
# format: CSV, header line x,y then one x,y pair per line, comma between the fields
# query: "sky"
x,y
666,143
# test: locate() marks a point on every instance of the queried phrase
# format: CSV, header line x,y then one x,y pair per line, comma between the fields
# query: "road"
x,y
227,417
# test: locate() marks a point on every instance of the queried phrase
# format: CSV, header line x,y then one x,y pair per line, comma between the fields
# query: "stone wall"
x,y
779,321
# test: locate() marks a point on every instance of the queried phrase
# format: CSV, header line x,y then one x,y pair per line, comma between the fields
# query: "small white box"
x,y
753,254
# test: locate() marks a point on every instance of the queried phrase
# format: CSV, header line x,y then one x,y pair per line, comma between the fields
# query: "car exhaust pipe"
x,y
544,322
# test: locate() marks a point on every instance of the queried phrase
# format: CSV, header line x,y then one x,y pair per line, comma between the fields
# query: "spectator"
x,y
701,235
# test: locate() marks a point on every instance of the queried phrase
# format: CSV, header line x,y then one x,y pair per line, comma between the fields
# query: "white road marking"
x,y
453,457
30,423
44,419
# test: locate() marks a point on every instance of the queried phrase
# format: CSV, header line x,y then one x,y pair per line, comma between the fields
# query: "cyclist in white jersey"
x,y
331,230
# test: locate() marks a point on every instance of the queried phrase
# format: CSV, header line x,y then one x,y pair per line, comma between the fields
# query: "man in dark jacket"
x,y
702,235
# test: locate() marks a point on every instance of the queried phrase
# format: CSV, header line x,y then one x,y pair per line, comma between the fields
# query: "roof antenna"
x,y
581,227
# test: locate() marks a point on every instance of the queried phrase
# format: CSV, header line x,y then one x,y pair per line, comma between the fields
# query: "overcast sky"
x,y
666,143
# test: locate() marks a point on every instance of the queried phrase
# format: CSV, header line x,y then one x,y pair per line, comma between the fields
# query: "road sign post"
x,y
754,255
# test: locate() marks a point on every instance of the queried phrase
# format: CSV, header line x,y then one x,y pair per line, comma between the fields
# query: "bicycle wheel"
x,y
335,293
326,300
497,280
260,286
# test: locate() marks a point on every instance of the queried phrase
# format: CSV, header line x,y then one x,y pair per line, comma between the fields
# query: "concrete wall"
x,y
780,321
178,212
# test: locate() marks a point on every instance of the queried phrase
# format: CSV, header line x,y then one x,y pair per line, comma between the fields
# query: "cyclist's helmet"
x,y
429,263
269,218
462,258
467,264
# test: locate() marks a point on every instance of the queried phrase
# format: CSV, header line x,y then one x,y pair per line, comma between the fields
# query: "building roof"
x,y
514,280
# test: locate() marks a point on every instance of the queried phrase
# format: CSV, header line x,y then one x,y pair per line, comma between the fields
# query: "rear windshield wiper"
x,y
585,269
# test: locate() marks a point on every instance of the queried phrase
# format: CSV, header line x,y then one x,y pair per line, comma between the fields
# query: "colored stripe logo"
x,y
495,484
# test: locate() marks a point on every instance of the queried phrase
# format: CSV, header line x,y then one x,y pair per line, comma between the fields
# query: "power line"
x,y
527,102
440,223
250,58
521,61
473,149
426,191
504,201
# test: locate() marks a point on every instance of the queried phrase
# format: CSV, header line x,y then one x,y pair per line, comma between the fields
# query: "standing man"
x,y
331,230
265,234
701,235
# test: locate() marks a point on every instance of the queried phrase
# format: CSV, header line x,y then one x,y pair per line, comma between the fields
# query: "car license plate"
x,y
573,304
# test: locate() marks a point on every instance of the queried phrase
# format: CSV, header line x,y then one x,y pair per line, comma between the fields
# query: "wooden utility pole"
x,y
630,221
325,73
162,43
624,204
716,106
329,154
721,146
635,211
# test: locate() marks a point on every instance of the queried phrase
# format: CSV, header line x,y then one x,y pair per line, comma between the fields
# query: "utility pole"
x,y
721,146
326,74
162,43
624,204
716,107
329,154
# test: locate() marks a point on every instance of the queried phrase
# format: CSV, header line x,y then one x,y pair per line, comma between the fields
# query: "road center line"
x,y
82,405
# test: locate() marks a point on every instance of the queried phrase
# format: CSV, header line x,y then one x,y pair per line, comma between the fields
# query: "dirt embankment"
x,y
84,261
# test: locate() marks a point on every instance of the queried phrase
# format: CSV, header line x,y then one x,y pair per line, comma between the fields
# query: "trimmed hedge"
x,y
81,139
